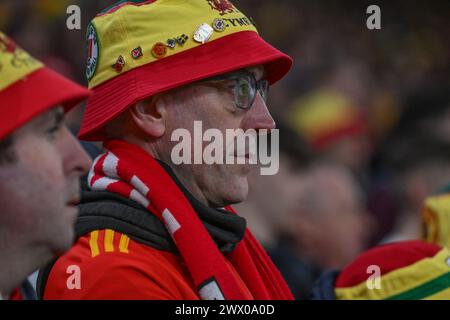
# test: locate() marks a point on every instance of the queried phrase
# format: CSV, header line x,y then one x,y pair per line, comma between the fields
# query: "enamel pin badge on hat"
x,y
203,33
159,50
219,25
120,63
136,53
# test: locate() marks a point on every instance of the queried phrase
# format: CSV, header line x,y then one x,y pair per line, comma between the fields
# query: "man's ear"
x,y
148,116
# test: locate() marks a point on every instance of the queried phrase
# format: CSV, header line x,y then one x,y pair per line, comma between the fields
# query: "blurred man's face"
x,y
40,187
214,106
345,227
332,224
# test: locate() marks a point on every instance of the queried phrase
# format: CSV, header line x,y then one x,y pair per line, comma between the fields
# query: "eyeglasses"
x,y
244,86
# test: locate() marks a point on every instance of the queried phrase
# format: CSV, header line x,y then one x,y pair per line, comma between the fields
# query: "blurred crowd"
x,y
364,119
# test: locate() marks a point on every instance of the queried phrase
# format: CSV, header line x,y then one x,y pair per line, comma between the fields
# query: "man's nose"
x,y
76,160
258,117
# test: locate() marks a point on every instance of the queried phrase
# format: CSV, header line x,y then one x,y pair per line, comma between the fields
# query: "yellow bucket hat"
x,y
28,88
137,49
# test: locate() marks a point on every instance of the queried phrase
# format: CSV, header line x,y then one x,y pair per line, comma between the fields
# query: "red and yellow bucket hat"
x,y
28,88
325,117
408,270
137,49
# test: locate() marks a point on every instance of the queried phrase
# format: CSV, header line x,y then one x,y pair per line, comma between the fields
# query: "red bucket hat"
x,y
137,49
28,88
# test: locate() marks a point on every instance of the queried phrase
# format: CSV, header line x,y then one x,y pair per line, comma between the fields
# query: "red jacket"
x,y
110,265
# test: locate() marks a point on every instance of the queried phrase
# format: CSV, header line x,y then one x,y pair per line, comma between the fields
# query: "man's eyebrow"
x,y
259,73
54,117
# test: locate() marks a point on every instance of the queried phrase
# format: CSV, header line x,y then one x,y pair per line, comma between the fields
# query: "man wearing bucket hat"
x,y
40,165
407,270
150,229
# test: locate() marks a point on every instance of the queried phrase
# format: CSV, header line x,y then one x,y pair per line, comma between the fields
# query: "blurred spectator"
x,y
318,220
420,165
328,228
416,156
335,128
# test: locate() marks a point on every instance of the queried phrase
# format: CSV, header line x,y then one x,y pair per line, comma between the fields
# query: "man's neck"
x,y
193,189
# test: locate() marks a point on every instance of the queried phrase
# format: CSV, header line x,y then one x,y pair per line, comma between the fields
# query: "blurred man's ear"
x,y
148,115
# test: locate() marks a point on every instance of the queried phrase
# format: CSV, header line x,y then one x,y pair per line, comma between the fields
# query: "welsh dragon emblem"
x,y
223,6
